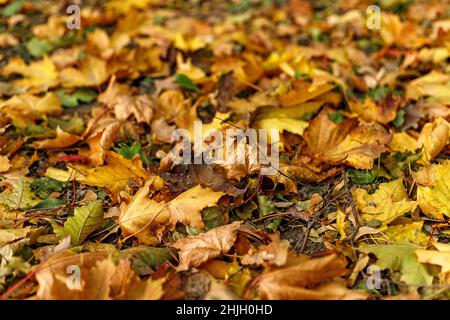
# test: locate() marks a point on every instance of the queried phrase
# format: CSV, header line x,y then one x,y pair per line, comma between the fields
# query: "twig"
x,y
353,208
314,220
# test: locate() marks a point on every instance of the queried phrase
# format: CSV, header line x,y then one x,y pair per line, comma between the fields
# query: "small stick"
x,y
352,206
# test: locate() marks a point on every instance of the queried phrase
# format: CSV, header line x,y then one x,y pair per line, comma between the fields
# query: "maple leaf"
x,y
411,232
100,278
92,72
401,257
63,139
386,204
350,142
119,97
4,164
196,250
38,76
116,174
432,194
145,218
23,109
186,208
434,137
20,197
383,112
434,84
308,279
440,257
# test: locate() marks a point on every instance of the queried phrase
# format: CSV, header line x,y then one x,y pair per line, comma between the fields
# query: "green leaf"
x,y
13,8
75,125
72,100
43,187
397,162
20,197
246,211
50,203
212,217
146,259
336,117
265,207
361,176
86,219
378,93
399,119
401,256
129,151
185,82
38,48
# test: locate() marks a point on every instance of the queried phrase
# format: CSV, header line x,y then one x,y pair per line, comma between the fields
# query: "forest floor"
x,y
319,166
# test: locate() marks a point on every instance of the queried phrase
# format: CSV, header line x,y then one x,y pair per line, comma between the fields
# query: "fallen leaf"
x,y
143,217
196,250
309,280
20,197
62,140
187,207
433,196
4,164
274,253
85,220
38,76
100,278
351,142
386,204
401,257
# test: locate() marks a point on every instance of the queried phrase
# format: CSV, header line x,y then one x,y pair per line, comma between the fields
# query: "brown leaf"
x,y
62,140
310,279
120,98
276,252
198,249
352,142
92,276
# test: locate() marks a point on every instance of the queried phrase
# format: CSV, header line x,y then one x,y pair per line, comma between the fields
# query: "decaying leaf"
x,y
310,279
351,142
100,278
198,249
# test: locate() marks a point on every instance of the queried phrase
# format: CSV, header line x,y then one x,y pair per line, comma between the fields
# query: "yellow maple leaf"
x,y
434,84
440,257
433,195
92,72
386,204
187,207
4,164
23,108
38,76
434,137
145,218
402,142
411,232
116,174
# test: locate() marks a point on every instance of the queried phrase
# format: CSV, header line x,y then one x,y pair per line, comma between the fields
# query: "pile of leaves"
x,y
93,205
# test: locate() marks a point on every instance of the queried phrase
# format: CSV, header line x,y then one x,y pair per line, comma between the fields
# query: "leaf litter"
x,y
94,205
